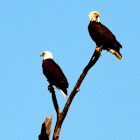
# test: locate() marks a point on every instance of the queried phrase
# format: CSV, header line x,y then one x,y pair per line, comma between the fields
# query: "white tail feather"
x,y
116,53
63,93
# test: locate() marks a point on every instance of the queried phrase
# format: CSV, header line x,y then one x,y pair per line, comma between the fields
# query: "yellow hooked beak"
x,y
98,14
42,54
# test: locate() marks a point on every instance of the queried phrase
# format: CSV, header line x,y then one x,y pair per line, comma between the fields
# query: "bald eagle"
x,y
53,73
102,36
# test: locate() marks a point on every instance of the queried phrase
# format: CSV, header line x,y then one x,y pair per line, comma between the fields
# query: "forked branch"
x,y
62,116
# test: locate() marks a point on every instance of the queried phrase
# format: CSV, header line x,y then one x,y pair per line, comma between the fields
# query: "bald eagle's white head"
x,y
94,16
47,55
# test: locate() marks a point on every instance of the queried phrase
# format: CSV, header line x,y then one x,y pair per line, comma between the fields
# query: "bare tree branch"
x,y
57,109
62,116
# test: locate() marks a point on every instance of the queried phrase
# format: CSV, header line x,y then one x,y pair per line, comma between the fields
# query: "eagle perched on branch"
x,y
102,36
53,73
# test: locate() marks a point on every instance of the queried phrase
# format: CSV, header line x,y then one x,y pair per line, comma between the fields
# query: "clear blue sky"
x,y
108,104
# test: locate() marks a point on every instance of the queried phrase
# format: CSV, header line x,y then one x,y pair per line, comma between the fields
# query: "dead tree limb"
x,y
62,116
46,129
55,103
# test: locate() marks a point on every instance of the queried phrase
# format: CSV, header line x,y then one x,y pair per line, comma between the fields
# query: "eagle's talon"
x,y
98,49
49,87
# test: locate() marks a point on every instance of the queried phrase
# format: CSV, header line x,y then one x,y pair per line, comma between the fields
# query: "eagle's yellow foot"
x,y
98,49
49,87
